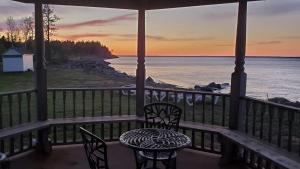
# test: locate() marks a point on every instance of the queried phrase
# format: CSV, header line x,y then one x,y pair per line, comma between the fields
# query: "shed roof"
x,y
15,51
134,4
12,52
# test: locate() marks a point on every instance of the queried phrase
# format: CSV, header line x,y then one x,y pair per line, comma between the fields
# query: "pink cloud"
x,y
81,36
99,22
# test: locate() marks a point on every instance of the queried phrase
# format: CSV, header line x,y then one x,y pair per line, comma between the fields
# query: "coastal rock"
x,y
284,101
96,66
211,87
150,80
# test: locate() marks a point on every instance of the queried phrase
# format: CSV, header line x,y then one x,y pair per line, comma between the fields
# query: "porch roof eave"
x,y
134,4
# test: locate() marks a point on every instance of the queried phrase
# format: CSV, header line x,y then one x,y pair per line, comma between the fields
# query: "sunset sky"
x,y
273,28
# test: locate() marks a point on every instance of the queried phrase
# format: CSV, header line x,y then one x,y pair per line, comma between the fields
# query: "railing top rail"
x,y
187,91
17,92
295,109
89,89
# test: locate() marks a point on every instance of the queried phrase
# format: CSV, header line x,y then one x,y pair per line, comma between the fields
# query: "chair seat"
x,y
160,155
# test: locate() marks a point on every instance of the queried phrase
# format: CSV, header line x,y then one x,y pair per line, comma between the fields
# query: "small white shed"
x,y
14,60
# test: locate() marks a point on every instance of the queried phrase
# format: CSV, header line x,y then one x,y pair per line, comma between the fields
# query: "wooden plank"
x,y
90,120
22,128
277,155
188,125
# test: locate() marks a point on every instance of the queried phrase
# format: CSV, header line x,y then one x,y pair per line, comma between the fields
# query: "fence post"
x,y
43,145
238,84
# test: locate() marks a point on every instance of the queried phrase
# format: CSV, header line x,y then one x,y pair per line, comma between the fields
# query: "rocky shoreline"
x,y
102,67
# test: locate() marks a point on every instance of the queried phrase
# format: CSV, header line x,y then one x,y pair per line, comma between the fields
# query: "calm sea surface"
x,y
267,77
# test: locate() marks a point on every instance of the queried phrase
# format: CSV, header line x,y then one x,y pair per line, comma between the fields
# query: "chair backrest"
x,y
95,149
162,115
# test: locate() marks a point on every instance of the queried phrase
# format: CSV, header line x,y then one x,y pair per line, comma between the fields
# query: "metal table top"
x,y
152,139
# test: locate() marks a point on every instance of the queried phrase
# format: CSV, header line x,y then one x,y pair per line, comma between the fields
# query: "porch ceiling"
x,y
134,4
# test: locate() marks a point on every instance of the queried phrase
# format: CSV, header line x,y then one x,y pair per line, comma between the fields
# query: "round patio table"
x,y
155,141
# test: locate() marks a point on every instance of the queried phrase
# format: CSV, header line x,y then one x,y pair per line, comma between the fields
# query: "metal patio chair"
x,y
163,116
95,149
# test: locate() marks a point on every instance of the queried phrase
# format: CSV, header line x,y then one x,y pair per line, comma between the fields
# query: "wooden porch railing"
x,y
274,123
109,112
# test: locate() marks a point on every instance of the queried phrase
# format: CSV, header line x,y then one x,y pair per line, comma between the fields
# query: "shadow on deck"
x,y
120,157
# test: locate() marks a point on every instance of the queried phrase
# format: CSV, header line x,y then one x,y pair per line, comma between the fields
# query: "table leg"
x,y
137,160
154,160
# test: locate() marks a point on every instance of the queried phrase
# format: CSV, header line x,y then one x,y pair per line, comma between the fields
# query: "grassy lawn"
x,y
58,77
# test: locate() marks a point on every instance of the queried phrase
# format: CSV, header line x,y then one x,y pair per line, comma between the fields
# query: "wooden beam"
x,y
134,4
230,151
41,78
140,71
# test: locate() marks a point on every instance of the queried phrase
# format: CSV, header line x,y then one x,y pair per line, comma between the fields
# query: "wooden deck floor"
x,y
120,157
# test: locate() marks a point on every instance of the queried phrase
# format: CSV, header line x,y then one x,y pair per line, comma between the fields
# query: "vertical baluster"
x,y
54,116
28,98
111,114
291,116
20,120
111,102
203,121
271,115
120,111
280,118
259,162
102,113
128,111
203,108
247,116
120,129
128,102
176,98
193,99
111,126
202,139
83,105
213,109
254,104
74,115
102,103
151,96
193,138
262,114
223,110
184,106
64,104
53,104
159,96
10,110
268,164
1,123
167,96
93,109
20,107
212,141
64,116
120,102
12,140
251,158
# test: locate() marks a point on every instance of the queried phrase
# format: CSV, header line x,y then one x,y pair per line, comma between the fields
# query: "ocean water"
x,y
267,77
